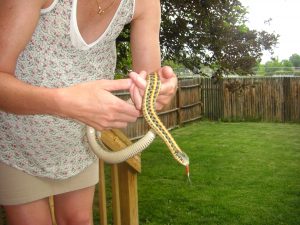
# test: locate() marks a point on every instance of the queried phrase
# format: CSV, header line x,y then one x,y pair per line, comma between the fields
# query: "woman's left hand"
x,y
167,91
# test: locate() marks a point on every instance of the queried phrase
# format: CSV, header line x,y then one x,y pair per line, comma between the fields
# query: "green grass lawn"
x,y
242,173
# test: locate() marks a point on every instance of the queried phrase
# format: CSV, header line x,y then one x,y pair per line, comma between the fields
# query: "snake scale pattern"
x,y
150,115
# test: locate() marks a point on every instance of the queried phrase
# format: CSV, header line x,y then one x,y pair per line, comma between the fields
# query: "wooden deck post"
x,y
128,195
124,180
102,195
2,216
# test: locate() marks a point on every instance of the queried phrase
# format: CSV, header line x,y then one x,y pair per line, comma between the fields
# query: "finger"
x,y
120,106
126,118
169,87
139,81
120,117
113,121
137,98
143,74
139,84
119,125
131,91
115,85
166,72
158,106
115,125
132,73
106,126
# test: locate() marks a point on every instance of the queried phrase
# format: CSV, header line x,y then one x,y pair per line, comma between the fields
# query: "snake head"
x,y
182,158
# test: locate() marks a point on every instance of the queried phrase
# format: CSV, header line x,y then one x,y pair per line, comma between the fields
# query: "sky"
x,y
285,15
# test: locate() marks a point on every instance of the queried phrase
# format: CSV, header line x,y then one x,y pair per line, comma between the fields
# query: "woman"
x,y
57,59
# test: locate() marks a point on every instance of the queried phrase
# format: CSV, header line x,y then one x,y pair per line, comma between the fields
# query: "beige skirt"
x,y
17,187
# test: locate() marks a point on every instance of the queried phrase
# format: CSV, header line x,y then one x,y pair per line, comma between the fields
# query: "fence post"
x,y
179,105
221,97
286,110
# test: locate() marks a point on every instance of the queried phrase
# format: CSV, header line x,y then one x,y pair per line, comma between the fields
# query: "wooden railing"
x,y
123,182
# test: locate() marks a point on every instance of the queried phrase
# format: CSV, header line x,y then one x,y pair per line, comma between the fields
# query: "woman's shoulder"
x,y
146,8
16,17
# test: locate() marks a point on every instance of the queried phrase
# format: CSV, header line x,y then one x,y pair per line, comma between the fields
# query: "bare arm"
x,y
145,48
145,36
91,103
18,20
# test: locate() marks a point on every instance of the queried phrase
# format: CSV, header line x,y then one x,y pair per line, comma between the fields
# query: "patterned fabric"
x,y
44,145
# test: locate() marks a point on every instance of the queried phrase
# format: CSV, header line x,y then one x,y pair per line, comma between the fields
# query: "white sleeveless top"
x,y
57,56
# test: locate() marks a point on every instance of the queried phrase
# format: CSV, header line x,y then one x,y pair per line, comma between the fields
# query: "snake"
x,y
157,128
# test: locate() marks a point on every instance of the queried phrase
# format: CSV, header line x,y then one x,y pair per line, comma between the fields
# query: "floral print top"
x,y
57,56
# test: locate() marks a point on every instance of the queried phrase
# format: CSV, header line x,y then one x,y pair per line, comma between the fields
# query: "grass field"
x,y
242,173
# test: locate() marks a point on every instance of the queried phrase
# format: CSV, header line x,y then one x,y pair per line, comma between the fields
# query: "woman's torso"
x,y
60,54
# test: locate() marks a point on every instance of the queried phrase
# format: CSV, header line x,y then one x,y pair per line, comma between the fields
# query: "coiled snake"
x,y
157,127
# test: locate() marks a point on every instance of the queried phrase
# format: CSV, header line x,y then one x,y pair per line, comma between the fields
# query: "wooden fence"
x,y
269,99
252,99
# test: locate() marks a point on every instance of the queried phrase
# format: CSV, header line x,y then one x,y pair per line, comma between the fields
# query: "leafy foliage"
x,y
295,60
277,67
211,33
124,59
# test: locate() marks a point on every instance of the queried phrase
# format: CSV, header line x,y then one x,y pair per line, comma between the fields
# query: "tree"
x,y
272,66
276,67
260,69
211,33
287,66
295,60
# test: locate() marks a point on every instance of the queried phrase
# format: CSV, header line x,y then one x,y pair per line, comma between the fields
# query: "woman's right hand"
x,y
92,103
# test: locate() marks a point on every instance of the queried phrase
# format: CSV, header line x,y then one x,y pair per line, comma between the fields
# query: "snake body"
x,y
151,93
157,127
